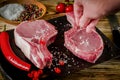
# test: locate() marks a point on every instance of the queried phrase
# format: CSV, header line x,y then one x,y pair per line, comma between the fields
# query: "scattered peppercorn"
x,y
31,12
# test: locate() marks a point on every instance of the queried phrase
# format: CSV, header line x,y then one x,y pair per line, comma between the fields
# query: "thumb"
x,y
84,21
78,9
92,25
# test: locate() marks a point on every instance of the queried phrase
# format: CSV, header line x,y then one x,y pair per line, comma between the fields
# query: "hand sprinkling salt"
x,y
11,11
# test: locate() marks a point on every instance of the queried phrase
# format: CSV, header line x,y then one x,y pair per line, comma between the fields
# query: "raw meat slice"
x,y
33,38
87,46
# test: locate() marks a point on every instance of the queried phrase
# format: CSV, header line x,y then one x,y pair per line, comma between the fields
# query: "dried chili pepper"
x,y
57,70
34,75
10,55
42,42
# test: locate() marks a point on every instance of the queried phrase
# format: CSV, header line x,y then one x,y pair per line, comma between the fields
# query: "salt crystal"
x,y
65,61
52,70
55,21
11,11
55,59
69,59
78,66
69,65
111,55
77,62
72,58
69,72
74,64
73,61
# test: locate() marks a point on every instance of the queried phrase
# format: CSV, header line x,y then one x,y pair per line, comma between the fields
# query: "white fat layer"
x,y
35,60
25,47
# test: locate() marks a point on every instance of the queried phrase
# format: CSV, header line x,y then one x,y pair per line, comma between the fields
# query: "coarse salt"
x,y
11,11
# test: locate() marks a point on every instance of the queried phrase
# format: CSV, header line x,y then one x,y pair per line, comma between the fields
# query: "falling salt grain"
x,y
67,50
51,70
111,55
69,59
77,62
62,36
72,58
52,47
55,59
60,23
69,65
65,61
78,66
57,64
73,61
74,64
53,65
55,21
68,25
56,47
69,72
66,57
54,53
82,64
58,53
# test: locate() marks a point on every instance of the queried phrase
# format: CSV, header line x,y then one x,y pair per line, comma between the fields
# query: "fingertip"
x,y
84,21
89,30
78,10
92,25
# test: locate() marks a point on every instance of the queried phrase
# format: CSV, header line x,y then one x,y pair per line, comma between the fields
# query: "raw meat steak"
x,y
87,46
33,38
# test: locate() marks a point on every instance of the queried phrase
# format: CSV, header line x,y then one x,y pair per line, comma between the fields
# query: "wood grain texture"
x,y
109,70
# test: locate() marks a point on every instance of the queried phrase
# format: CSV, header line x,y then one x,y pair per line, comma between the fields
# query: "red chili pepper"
x,y
10,55
40,71
57,70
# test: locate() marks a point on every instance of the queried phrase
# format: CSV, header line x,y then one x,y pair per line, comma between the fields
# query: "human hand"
x,y
88,12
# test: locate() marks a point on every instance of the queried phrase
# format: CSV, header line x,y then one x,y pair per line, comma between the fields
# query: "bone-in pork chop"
x,y
86,46
33,38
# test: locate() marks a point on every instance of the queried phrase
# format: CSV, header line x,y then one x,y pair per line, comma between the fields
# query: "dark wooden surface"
x,y
109,70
